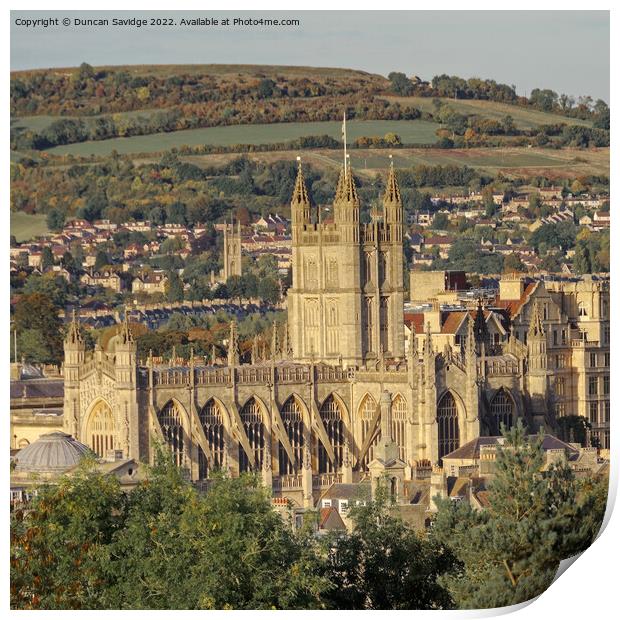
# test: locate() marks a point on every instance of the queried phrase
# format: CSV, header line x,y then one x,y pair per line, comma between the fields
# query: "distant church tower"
x,y
232,251
346,298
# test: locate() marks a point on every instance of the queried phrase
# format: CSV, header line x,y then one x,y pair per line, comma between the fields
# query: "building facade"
x,y
338,398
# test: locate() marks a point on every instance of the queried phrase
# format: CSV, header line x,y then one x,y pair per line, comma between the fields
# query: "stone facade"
x,y
338,399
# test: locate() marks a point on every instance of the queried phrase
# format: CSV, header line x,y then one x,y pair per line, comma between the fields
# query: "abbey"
x,y
339,398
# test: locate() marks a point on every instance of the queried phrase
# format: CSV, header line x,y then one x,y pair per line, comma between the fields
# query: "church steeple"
x,y
393,207
346,191
300,200
74,336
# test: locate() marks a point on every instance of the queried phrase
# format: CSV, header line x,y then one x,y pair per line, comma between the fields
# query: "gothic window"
x,y
211,421
447,425
311,273
332,327
385,319
399,421
252,419
367,267
367,410
312,326
332,272
368,324
294,428
502,409
582,309
332,420
101,429
383,275
172,429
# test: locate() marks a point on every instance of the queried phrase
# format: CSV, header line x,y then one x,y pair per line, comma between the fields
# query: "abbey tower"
x,y
346,299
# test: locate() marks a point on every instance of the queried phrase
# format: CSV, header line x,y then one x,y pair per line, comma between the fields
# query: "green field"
x,y
524,118
420,132
554,163
25,226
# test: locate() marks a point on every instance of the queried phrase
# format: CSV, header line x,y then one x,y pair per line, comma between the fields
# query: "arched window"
x,y
384,317
447,425
367,411
101,430
210,418
332,420
382,268
252,419
368,324
332,326
502,409
399,421
171,423
294,427
368,266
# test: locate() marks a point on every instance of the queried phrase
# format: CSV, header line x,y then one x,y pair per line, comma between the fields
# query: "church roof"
x,y
37,388
51,453
471,450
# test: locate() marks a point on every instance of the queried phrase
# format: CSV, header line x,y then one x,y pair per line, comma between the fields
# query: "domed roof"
x,y
51,453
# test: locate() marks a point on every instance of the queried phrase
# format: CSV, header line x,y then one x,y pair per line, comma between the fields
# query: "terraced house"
x,y
339,398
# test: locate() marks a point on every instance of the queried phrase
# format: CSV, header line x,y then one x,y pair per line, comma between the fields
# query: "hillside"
x,y
91,111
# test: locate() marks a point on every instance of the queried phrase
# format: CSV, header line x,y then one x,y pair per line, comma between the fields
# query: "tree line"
x,y
82,543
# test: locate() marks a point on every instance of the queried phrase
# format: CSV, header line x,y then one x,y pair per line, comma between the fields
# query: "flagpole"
x,y
344,134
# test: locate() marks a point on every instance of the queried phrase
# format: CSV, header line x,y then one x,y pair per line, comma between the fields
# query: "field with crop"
x,y
554,163
524,118
421,132
25,226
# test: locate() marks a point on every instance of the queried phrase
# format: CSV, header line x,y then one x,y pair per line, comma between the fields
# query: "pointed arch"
x,y
293,419
502,409
173,421
252,417
366,412
448,435
100,427
399,424
212,421
332,418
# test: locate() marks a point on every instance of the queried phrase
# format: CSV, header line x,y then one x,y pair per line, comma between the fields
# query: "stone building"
x,y
232,251
339,399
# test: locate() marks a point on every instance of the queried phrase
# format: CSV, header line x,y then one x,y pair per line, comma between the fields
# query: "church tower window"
x,y
502,409
211,421
447,425
172,429
332,420
294,427
252,419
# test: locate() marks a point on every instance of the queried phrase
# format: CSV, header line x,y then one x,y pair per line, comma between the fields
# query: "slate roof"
x,y
348,491
38,388
471,450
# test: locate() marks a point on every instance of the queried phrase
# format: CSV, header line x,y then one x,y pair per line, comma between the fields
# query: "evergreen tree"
x,y
175,287
537,516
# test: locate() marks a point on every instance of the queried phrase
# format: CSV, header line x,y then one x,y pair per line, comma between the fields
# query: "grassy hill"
x,y
420,132
25,226
524,118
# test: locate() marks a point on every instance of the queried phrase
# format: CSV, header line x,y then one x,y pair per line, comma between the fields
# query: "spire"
x,y
428,341
471,337
233,345
480,327
392,191
73,334
345,190
300,193
536,328
413,345
126,335
274,341
254,353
